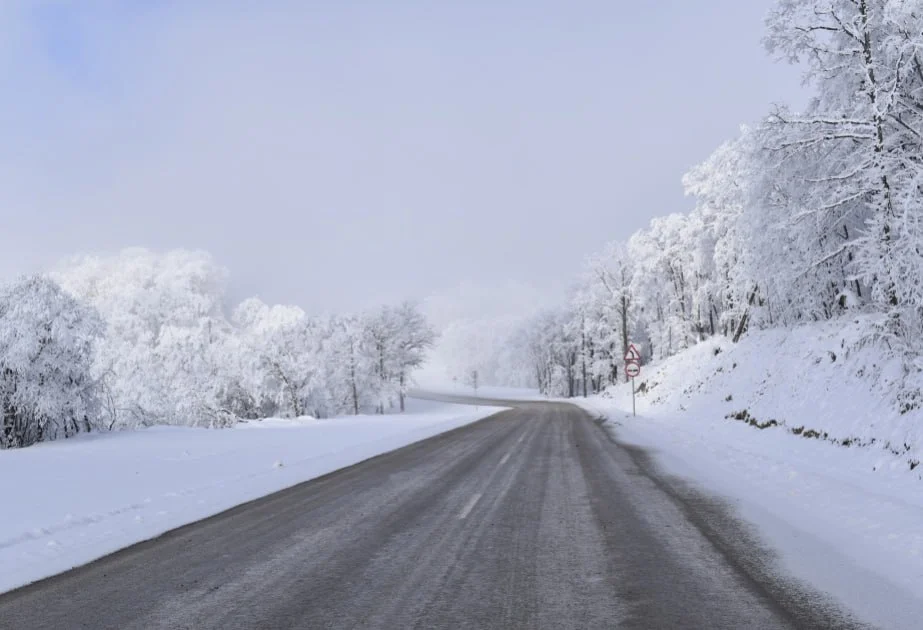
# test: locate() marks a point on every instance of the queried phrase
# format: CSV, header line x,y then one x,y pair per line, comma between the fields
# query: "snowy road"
x,y
533,518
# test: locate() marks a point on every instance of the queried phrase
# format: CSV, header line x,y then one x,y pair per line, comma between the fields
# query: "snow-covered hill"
x,y
819,381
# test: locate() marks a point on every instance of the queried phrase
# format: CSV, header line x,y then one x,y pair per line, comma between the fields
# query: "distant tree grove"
x,y
140,338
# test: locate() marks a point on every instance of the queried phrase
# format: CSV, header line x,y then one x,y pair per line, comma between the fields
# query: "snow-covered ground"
x,y
69,502
847,519
488,392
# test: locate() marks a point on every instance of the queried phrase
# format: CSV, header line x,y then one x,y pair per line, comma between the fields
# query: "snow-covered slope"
x,y
845,511
66,503
816,381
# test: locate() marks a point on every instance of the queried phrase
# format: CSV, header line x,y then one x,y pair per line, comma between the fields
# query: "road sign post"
x,y
632,369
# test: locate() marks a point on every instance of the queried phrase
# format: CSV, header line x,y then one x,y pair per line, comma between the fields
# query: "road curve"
x,y
533,518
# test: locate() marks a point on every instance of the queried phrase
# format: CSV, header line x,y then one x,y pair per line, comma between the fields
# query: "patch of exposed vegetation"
x,y
744,416
813,434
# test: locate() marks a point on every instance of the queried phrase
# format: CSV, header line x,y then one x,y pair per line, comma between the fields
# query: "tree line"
x,y
806,216
140,338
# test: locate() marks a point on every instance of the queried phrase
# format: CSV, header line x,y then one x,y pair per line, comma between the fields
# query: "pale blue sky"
x,y
334,154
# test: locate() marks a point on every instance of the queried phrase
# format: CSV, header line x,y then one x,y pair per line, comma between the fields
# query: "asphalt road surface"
x,y
534,518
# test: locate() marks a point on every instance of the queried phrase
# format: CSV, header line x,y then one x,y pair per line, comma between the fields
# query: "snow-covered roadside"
x,y
69,502
856,536
846,519
487,393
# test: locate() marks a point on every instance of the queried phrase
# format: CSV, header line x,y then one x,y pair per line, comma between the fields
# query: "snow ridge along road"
x,y
532,518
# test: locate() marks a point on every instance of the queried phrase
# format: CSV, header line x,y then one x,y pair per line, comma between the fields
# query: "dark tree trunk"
x,y
401,392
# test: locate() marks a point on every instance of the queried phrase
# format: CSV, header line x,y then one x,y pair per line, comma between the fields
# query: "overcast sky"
x,y
336,154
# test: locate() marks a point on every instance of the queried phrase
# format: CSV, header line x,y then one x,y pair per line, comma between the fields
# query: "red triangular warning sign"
x,y
633,356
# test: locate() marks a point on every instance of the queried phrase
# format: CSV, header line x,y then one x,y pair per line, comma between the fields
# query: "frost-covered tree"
x,y
413,338
606,306
283,364
490,345
354,383
381,328
47,339
730,247
551,347
159,361
663,284
170,354
855,153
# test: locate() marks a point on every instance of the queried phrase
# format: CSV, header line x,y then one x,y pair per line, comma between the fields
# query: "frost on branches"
x,y
47,390
141,338
845,175
806,217
162,360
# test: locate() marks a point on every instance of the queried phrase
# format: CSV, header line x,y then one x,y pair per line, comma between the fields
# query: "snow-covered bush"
x,y
47,338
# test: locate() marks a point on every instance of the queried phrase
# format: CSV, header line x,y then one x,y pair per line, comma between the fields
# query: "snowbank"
x,y
848,519
818,381
69,502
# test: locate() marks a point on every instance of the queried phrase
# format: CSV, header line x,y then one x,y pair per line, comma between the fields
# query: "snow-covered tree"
x,y
159,361
413,338
283,364
47,339
551,347
856,152
606,301
354,383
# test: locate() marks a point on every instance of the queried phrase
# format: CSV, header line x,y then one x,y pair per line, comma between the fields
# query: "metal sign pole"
x,y
632,369
632,395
